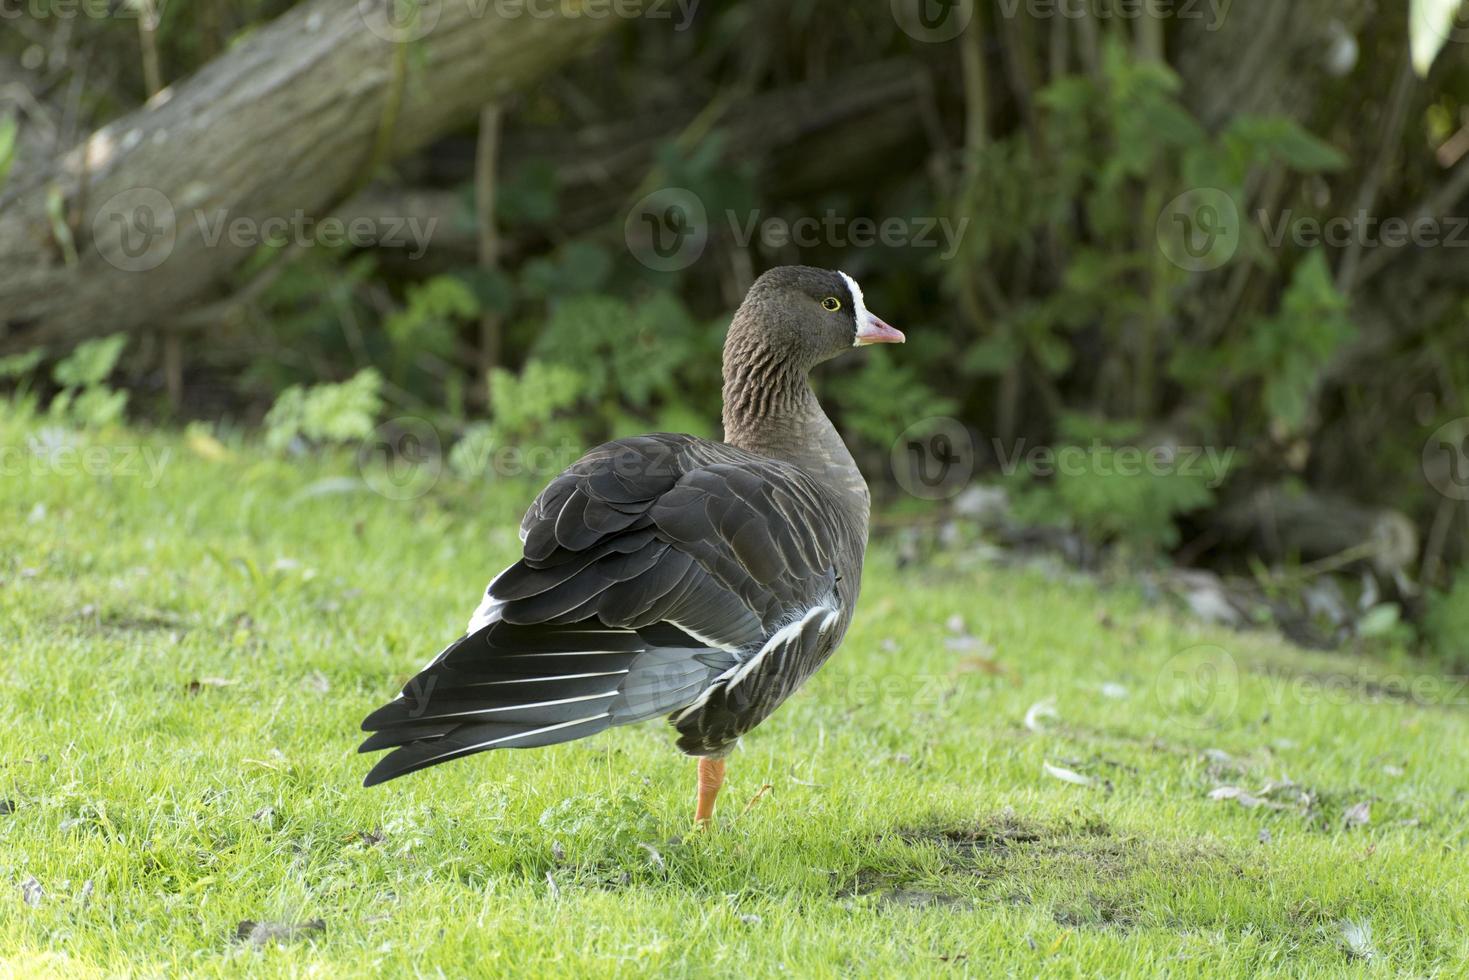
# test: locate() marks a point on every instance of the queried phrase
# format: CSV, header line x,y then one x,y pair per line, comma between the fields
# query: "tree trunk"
x,y
138,221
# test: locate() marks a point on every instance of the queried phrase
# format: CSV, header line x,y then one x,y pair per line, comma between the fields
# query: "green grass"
x,y
185,666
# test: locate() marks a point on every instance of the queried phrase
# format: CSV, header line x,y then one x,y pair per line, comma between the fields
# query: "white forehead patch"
x,y
860,312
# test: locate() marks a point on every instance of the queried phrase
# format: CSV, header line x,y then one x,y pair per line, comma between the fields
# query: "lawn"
x,y
1004,771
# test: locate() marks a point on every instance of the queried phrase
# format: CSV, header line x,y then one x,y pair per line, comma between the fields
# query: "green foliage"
x,y
90,363
883,397
84,397
526,404
1447,624
1121,146
93,407
327,413
528,197
433,312
632,353
1112,487
1290,350
1284,354
1256,139
15,366
527,412
577,268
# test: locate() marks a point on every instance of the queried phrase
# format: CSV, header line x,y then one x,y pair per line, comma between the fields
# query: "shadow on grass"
x,y
1082,874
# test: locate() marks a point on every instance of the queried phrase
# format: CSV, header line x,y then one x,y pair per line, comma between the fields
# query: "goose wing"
x,y
659,574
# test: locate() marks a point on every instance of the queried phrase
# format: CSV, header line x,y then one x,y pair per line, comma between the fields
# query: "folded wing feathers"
x,y
653,568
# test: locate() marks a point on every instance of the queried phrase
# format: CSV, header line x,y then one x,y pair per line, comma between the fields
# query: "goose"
x,y
668,575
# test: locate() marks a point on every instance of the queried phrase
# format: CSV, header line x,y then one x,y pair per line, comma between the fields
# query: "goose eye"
x,y
831,304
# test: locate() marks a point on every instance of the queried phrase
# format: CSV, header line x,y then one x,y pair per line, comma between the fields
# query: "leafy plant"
x,y
526,410
1446,626
1110,485
326,412
84,397
883,397
433,312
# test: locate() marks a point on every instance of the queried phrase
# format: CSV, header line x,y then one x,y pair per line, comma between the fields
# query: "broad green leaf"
x,y
91,362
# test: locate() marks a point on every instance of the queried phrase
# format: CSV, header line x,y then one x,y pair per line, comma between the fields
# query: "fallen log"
x,y
1285,524
140,220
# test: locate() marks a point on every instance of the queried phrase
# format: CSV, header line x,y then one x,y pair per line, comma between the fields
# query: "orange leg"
x,y
711,777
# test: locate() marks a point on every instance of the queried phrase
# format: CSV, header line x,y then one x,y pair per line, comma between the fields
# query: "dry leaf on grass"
x,y
1068,775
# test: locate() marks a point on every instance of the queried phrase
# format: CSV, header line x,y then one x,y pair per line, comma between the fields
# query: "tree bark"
x,y
138,221
800,138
